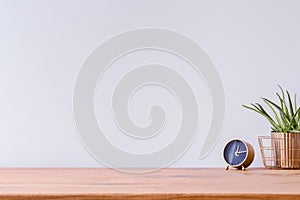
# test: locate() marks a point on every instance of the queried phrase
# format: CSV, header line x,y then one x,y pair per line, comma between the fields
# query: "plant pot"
x,y
287,150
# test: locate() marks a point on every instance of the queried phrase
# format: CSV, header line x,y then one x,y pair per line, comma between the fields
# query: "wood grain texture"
x,y
163,184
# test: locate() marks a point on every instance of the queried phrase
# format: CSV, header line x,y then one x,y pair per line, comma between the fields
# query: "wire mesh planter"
x,y
280,150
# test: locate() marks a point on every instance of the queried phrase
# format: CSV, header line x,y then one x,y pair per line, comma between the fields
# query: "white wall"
x,y
254,44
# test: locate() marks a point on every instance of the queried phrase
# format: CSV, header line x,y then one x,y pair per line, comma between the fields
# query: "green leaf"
x,y
295,102
274,112
258,108
286,111
283,107
290,103
281,111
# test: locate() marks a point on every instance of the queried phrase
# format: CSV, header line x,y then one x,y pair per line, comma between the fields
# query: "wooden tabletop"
x,y
163,184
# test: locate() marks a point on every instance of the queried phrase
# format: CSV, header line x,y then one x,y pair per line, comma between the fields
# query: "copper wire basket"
x,y
280,150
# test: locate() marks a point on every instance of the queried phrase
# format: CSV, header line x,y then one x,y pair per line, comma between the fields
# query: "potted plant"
x,y
285,128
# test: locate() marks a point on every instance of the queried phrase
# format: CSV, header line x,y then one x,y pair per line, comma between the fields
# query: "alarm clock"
x,y
238,154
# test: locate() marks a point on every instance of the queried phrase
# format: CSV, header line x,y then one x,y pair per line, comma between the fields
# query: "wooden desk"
x,y
164,184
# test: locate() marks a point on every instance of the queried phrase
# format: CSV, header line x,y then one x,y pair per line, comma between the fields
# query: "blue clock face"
x,y
235,152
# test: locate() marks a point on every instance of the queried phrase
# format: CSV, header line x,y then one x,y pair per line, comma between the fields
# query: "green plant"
x,y
286,114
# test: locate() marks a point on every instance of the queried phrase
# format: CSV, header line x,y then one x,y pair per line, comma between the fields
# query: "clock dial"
x,y
235,152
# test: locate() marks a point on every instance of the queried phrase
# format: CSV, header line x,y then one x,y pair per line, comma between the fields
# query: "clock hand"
x,y
237,151
241,152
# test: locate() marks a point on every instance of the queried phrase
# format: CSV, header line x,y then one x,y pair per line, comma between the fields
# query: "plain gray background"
x,y
254,44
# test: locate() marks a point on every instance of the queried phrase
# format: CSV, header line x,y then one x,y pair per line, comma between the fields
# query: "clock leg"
x,y
227,167
243,168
